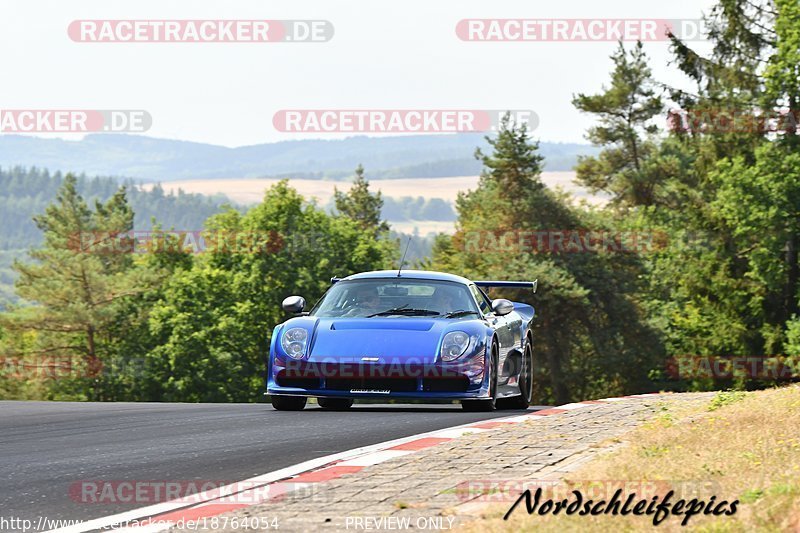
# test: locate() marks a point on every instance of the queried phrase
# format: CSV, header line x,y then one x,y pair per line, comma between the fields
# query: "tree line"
x,y
25,192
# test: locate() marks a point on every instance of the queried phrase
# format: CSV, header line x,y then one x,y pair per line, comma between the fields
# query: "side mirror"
x,y
294,304
501,306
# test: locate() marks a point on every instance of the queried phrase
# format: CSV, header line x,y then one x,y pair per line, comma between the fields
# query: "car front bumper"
x,y
367,380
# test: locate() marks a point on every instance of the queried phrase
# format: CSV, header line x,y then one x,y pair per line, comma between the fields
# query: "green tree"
x,y
361,205
78,283
625,111
782,90
513,170
729,83
589,335
214,324
761,202
734,294
741,35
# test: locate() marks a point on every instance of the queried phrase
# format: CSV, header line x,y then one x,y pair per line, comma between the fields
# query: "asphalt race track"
x,y
47,447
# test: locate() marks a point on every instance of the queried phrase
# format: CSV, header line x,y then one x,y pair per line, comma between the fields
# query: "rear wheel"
x,y
335,404
491,403
525,382
288,403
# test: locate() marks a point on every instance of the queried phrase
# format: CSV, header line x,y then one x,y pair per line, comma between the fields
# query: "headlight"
x,y
454,345
294,342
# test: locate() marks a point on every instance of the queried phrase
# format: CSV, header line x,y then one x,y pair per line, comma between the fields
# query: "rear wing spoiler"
x,y
508,284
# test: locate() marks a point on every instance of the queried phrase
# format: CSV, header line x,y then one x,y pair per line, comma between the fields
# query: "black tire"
x,y
335,404
491,403
525,383
288,403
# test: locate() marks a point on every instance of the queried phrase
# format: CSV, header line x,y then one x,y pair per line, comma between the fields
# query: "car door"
x,y
500,324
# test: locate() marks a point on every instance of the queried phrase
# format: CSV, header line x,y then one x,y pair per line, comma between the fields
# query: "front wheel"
x,y
525,383
335,404
288,403
491,403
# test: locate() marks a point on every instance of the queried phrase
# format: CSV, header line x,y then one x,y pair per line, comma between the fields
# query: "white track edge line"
x,y
294,470
269,477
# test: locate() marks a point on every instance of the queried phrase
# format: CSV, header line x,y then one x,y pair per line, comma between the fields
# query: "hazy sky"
x,y
384,55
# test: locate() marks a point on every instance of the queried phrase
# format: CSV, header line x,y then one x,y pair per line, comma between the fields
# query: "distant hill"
x,y
151,159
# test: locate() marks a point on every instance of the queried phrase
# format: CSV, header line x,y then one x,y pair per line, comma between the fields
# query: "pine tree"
x,y
361,205
588,328
625,111
514,167
78,280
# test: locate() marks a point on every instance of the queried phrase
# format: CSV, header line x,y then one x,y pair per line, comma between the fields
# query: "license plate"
x,y
369,391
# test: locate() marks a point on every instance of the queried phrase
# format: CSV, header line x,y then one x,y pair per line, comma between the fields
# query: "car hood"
x,y
380,340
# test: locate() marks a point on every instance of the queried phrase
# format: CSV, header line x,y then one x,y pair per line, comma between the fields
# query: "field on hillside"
x,y
250,191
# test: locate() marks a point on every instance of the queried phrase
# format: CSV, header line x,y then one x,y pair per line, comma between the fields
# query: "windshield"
x,y
367,298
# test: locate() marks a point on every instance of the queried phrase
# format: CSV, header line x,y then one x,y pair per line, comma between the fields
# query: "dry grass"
x,y
738,446
251,191
248,191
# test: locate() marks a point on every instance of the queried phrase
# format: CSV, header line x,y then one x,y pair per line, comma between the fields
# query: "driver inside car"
x,y
365,302
449,300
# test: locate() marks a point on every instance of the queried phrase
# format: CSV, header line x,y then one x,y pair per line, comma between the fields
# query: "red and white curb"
x,y
273,485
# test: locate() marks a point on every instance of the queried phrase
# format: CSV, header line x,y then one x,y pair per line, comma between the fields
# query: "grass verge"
x,y
739,446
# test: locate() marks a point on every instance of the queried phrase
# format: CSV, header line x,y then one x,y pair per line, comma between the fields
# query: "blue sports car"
x,y
404,334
